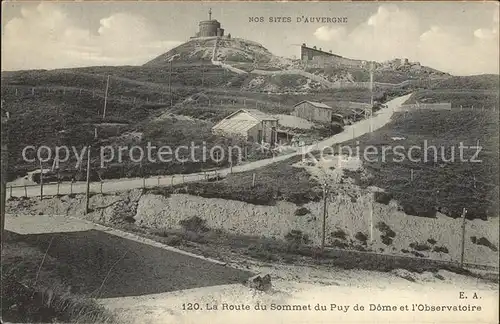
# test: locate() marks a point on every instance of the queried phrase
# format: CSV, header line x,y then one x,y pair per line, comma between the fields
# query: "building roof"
x,y
257,114
315,104
235,126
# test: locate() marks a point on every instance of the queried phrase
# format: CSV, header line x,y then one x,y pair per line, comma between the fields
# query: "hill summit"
x,y
217,49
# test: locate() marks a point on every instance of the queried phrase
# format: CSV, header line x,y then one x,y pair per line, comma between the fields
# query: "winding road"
x,y
378,120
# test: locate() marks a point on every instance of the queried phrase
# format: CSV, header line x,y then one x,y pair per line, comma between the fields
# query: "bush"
x,y
387,240
339,234
302,211
431,241
485,242
194,224
361,237
420,246
382,197
22,304
440,249
387,233
339,244
296,236
359,247
417,254
295,240
262,251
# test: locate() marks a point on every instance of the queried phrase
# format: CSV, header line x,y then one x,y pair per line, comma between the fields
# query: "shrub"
x,y
302,211
387,240
417,254
173,240
339,234
297,237
384,228
361,237
382,197
405,251
431,241
420,246
473,239
194,224
440,249
359,247
485,242
387,233
262,251
129,219
339,244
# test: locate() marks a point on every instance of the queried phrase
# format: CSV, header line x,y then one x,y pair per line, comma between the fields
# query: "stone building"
x,y
210,27
248,124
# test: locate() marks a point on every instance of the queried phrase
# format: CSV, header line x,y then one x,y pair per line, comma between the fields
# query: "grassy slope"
x,y
38,293
445,186
61,107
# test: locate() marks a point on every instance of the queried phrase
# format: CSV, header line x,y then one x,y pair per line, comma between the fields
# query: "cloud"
x,y
392,32
45,37
325,33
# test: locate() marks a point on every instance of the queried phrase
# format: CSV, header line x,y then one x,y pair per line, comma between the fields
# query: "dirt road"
x,y
360,128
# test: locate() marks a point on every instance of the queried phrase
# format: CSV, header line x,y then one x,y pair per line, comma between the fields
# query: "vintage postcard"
x,y
250,162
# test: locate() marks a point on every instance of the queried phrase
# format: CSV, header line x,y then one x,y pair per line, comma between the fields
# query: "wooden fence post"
x,y
25,191
143,182
253,180
158,181
172,180
101,185
11,191
58,183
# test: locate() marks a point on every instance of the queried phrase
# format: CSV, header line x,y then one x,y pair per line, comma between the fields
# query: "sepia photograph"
x,y
227,162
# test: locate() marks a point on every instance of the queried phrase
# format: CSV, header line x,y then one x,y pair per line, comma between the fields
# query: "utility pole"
x,y
371,97
41,180
87,193
4,163
170,83
371,222
462,246
105,98
323,230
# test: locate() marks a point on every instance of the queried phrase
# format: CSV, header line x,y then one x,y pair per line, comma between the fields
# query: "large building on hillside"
x,y
209,28
323,58
249,124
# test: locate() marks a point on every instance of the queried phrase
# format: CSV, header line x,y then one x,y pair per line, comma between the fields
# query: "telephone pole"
x,y
87,193
323,230
105,98
462,245
4,160
371,97
170,83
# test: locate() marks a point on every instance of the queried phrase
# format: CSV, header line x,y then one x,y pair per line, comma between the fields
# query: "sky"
x,y
460,38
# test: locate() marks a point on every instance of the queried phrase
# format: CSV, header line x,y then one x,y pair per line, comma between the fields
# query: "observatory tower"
x,y
210,27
